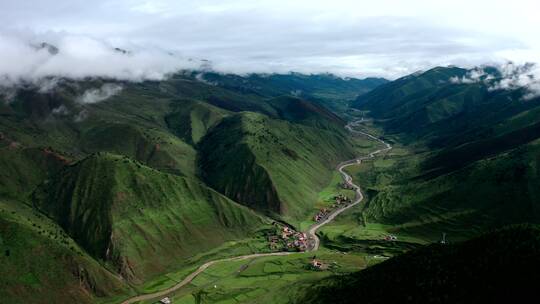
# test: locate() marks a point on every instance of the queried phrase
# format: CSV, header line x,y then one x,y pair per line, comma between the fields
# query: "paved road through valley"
x,y
312,232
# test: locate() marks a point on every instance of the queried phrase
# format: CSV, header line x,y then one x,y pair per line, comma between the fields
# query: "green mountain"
x,y
40,263
272,165
116,184
483,269
469,160
141,220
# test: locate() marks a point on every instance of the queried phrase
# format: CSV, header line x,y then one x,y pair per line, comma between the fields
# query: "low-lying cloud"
x,y
106,91
474,76
510,77
520,76
32,59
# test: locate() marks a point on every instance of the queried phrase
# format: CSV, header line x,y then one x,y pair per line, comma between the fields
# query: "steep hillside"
x,y
140,220
132,123
408,202
272,165
24,168
443,110
496,267
294,109
392,98
470,160
191,120
39,263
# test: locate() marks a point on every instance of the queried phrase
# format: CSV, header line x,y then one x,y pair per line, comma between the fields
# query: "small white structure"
x,y
165,300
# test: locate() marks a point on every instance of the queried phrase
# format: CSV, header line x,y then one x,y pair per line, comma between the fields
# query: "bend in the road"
x,y
312,232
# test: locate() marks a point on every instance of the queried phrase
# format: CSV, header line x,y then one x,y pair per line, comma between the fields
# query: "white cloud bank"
x,y
520,76
356,38
106,91
512,77
24,60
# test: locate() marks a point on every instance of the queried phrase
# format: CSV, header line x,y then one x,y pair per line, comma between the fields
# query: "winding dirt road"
x,y
312,232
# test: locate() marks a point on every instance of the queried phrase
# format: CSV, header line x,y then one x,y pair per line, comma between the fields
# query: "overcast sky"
x,y
350,38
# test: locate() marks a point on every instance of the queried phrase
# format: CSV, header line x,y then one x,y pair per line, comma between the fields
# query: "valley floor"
x,y
277,277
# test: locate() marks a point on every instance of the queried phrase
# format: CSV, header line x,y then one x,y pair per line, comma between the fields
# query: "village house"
x,y
286,232
342,199
165,300
273,240
346,186
390,237
318,265
321,214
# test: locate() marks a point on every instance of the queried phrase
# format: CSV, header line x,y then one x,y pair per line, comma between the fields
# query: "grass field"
x,y
185,267
264,280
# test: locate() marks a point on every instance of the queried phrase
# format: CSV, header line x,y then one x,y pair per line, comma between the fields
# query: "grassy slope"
x,y
481,168
24,168
401,201
407,94
39,263
487,194
272,165
141,220
191,120
496,267
131,123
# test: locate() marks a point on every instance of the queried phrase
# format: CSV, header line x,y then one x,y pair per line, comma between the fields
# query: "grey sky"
x,y
349,38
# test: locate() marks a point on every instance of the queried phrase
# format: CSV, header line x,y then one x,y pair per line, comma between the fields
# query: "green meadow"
x,y
265,280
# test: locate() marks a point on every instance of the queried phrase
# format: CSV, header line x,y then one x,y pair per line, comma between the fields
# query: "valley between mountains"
x,y
215,188
312,238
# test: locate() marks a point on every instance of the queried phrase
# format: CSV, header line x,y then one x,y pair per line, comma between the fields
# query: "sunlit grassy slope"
x,y
140,220
272,165
40,263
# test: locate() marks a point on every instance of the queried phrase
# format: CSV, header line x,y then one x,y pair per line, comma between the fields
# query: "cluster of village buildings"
x,y
339,199
288,239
